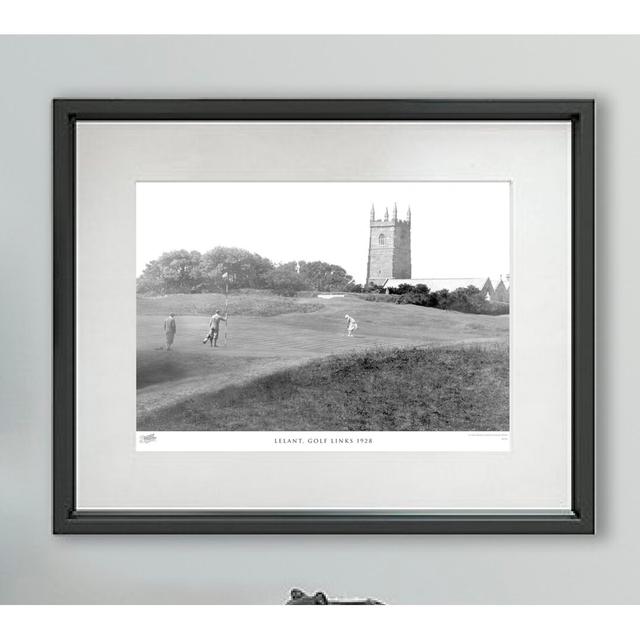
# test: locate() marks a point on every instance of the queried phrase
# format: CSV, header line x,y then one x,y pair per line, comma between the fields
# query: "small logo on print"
x,y
147,438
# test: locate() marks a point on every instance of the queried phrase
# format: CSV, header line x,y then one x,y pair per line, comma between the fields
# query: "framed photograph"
x,y
323,316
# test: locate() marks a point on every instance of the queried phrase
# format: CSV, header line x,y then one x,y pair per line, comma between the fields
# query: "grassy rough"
x,y
244,303
448,388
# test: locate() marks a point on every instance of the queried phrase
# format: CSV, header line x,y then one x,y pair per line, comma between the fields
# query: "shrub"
x,y
373,288
440,299
403,288
471,300
413,297
465,299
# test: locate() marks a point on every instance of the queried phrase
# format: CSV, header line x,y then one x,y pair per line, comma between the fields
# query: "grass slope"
x,y
455,387
243,303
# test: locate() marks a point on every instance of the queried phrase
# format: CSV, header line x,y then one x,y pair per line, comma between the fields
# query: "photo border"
x,y
67,519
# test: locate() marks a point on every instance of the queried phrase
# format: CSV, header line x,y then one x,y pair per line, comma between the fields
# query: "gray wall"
x,y
39,568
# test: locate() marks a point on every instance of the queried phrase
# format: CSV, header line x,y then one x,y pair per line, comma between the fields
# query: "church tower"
x,y
389,247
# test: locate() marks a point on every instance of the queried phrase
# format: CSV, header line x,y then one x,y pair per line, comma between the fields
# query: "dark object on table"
x,y
300,597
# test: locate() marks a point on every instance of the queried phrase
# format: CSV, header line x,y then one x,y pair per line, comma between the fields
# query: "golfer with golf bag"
x,y
214,329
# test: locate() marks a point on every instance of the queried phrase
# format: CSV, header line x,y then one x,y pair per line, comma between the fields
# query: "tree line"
x,y
194,272
229,267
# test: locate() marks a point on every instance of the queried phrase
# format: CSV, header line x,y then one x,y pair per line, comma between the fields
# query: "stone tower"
x,y
389,247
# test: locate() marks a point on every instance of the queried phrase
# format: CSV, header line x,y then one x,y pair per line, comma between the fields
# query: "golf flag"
x,y
225,277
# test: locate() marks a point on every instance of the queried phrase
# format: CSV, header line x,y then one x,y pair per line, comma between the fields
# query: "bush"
x,y
471,300
403,289
419,295
413,297
440,299
465,299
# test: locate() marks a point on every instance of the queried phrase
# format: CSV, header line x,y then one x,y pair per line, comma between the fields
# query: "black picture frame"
x,y
68,520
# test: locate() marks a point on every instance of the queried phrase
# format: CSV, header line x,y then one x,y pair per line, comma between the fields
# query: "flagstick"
x,y
226,307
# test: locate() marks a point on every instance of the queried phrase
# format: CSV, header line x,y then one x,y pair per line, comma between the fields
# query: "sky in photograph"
x,y
458,229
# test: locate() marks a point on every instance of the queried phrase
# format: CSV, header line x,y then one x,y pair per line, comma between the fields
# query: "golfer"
x,y
351,325
169,331
214,329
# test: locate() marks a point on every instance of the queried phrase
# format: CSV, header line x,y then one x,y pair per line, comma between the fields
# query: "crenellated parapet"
x,y
389,219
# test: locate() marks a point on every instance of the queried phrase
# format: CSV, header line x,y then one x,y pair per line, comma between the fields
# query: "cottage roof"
x,y
496,282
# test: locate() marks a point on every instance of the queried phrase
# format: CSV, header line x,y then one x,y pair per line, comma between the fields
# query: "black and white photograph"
x,y
322,307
